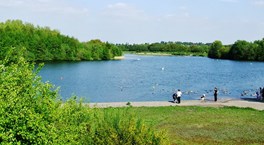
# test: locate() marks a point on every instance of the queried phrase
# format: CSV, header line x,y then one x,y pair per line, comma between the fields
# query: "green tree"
x,y
259,50
215,48
224,51
241,50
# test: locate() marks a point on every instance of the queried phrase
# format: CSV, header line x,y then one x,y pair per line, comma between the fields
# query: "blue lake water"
x,y
154,78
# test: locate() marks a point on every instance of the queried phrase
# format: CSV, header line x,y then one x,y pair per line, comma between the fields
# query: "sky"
x,y
144,21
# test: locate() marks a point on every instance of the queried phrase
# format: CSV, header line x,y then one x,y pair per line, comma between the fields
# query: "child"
x,y
203,97
174,96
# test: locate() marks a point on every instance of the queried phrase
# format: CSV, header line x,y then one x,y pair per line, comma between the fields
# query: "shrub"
x,y
79,124
31,114
26,104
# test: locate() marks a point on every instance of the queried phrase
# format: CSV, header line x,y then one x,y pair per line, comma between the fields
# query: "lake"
x,y
154,78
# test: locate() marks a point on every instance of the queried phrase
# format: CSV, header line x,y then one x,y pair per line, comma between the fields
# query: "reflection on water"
x,y
154,78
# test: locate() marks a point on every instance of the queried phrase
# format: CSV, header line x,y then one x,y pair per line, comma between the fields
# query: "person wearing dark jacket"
x,y
215,94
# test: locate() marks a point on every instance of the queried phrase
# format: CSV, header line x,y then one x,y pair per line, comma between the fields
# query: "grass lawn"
x,y
204,125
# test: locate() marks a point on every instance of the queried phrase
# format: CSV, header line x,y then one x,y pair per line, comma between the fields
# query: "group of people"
x,y
260,94
177,96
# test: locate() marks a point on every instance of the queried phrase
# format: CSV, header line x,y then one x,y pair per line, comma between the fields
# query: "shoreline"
x,y
119,57
148,53
241,103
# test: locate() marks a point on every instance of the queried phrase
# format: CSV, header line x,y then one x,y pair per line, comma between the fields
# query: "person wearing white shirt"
x,y
179,94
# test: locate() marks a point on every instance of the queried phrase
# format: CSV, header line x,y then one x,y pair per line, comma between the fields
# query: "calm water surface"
x,y
154,78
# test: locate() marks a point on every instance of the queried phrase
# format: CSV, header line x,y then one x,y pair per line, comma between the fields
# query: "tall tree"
x,y
215,48
240,50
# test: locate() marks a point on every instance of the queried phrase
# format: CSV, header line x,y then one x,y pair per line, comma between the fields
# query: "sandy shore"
x,y
119,57
208,103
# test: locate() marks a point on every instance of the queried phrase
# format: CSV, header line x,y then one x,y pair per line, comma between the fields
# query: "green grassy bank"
x,y
204,125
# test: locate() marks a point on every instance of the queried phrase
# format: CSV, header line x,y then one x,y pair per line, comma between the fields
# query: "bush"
x,y
78,124
32,114
26,104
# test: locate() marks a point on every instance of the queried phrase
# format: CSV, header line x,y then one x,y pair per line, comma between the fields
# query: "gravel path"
x,y
208,103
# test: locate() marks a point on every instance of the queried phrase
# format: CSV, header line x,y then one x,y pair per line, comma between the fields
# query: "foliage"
x,y
26,104
175,48
78,124
240,50
102,51
215,48
44,44
31,113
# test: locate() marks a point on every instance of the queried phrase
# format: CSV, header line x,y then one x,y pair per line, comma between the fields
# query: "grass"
x,y
205,125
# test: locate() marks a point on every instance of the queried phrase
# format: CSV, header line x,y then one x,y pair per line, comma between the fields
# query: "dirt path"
x,y
221,103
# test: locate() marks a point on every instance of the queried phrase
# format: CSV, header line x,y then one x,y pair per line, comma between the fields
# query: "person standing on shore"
x,y
179,93
258,96
215,94
262,92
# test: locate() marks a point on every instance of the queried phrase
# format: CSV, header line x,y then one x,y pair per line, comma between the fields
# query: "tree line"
x,y
44,44
240,50
174,48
